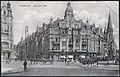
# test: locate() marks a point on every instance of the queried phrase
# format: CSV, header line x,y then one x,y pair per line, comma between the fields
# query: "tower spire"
x,y
110,37
109,26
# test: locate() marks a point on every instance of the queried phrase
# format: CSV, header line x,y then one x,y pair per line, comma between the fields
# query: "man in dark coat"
x,y
25,65
65,60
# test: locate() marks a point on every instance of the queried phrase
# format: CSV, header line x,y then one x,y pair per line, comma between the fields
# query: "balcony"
x,y
63,35
7,49
83,51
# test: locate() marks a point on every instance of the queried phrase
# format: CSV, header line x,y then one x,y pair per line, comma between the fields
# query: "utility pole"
x,y
26,31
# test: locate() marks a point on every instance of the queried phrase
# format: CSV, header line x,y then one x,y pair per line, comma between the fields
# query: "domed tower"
x,y
69,12
6,30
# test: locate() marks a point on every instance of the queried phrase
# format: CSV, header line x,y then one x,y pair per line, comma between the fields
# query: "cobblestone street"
x,y
59,68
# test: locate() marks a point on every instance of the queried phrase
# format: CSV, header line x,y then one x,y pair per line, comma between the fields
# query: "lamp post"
x,y
52,48
75,55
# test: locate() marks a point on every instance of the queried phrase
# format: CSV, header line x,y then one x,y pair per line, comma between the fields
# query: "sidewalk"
x,y
108,67
11,70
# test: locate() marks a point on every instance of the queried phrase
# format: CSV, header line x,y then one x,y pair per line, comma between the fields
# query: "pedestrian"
x,y
52,57
65,60
97,62
25,65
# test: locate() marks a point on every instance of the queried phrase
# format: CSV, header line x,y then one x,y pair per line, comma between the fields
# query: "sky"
x,y
33,13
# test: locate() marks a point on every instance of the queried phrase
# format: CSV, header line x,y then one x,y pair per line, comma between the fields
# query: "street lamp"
x,y
75,54
52,49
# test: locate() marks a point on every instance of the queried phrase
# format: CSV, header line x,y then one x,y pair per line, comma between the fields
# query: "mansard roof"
x,y
54,23
78,21
57,21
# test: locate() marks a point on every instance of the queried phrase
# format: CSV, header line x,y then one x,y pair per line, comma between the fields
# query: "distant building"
x,y
6,30
66,36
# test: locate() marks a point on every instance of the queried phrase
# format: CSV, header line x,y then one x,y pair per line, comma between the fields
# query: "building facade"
x,y
6,30
66,36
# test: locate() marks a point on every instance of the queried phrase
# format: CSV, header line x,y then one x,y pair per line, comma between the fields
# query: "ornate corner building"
x,y
68,36
6,30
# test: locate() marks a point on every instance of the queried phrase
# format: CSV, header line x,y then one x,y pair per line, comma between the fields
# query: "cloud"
x,y
35,17
91,17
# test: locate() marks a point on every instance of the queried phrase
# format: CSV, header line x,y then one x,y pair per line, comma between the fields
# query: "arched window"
x,y
11,29
11,46
5,44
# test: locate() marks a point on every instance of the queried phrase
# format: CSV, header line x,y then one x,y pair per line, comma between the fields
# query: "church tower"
x,y
110,38
6,30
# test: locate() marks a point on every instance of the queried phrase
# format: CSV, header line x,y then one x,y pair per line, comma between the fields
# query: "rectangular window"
x,y
69,32
84,48
76,32
8,29
84,41
11,46
77,44
56,47
76,26
63,25
63,31
77,40
64,45
70,39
